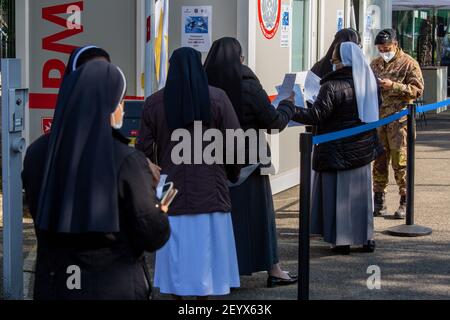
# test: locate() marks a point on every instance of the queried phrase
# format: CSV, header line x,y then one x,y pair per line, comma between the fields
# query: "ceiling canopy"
x,y
411,4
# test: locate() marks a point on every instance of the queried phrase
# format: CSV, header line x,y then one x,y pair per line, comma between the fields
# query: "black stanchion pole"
x,y
306,145
410,229
411,169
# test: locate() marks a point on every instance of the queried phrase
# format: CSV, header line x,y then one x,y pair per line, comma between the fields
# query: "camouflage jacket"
x,y
406,74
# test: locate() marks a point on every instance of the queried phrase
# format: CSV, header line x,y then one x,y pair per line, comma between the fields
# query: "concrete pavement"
x,y
416,268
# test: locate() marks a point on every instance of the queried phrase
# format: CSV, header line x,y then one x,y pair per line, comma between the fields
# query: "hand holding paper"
x,y
312,87
286,89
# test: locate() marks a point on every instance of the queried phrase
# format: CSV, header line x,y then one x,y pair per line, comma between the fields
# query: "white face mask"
x,y
118,125
387,56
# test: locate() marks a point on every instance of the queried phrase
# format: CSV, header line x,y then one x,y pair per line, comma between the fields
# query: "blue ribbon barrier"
x,y
361,129
434,106
367,127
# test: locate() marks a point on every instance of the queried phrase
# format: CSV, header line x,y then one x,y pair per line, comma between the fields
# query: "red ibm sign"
x,y
56,43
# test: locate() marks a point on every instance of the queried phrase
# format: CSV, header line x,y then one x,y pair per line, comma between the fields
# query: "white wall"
x,y
327,25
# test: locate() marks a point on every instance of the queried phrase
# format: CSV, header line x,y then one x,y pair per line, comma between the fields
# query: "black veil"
x,y
79,188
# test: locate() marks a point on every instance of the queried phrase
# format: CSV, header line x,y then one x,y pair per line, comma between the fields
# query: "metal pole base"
x,y
409,231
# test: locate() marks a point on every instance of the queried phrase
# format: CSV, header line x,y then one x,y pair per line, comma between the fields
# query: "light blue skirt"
x,y
200,257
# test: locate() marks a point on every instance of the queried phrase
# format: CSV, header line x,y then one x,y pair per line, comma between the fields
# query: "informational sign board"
x,y
285,26
57,27
340,20
196,27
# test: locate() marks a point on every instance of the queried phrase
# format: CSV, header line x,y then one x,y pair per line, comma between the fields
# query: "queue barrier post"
x,y
306,145
410,229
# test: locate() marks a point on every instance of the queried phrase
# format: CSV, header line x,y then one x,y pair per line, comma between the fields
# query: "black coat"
x,y
336,109
202,187
112,265
256,111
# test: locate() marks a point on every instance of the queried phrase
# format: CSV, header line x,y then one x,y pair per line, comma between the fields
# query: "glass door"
x,y
300,35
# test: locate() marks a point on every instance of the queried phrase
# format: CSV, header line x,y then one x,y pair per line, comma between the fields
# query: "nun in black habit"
x,y
200,257
253,211
91,196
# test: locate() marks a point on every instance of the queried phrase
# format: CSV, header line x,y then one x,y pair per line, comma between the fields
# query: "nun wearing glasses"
x,y
91,197
342,201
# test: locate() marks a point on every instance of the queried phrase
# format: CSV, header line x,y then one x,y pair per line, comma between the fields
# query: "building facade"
x,y
278,37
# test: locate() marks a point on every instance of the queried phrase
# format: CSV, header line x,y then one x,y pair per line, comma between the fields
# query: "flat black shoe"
x,y
344,250
370,246
275,281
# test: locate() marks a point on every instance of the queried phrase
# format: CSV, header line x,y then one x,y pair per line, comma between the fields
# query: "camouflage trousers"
x,y
393,137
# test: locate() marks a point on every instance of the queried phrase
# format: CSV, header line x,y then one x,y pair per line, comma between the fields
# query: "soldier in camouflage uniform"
x,y
401,81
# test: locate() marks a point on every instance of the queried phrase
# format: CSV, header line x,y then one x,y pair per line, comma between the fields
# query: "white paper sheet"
x,y
299,98
286,89
312,86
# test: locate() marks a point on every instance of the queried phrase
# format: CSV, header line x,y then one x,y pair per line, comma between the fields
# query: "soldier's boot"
x,y
400,214
380,204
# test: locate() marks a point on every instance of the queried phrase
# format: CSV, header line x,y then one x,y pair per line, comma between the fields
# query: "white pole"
x,y
164,57
149,47
252,23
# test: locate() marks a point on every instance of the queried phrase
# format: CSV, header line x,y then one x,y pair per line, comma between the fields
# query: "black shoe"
x,y
344,250
380,204
370,246
275,281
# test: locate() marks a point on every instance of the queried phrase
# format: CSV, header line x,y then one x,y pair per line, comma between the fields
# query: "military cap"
x,y
386,36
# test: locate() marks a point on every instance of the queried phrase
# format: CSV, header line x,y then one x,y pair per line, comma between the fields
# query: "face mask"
x,y
334,67
119,125
388,56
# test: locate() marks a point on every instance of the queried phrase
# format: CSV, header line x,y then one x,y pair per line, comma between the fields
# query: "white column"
x,y
252,23
149,47
314,25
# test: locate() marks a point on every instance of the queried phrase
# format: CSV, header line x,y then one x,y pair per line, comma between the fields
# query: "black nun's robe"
x,y
106,245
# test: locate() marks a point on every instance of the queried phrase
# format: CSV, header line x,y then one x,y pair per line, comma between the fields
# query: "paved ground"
x,y
417,268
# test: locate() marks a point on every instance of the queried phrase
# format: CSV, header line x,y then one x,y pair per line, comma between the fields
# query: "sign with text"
x,y
196,27
286,26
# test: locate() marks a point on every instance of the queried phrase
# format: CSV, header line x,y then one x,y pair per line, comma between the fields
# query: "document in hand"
x,y
286,88
312,86
299,98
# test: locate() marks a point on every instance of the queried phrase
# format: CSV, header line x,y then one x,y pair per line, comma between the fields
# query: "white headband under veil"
x,y
366,87
75,60
124,90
